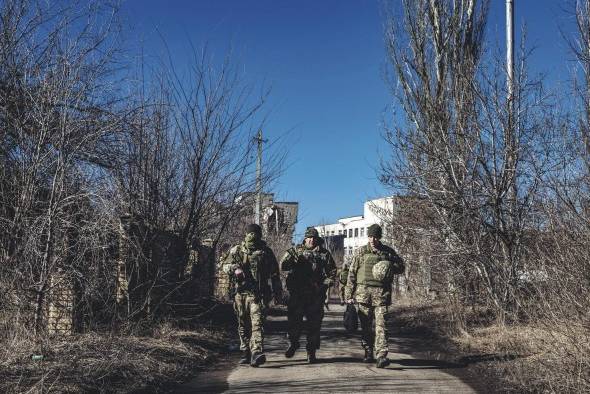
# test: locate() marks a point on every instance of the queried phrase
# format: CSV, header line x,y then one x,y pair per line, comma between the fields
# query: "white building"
x,y
354,228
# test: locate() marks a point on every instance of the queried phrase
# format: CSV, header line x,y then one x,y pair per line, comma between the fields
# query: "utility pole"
x,y
510,52
510,135
259,141
510,139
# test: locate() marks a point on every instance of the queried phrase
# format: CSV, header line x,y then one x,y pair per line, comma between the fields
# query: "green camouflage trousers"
x,y
249,313
373,339
313,310
372,308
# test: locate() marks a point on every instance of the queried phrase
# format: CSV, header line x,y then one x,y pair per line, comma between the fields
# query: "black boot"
x,y
258,359
369,356
290,352
311,358
382,362
245,357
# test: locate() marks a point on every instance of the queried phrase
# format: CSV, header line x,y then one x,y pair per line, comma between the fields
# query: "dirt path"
x,y
339,368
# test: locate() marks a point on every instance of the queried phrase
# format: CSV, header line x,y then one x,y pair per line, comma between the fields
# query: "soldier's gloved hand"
x,y
234,267
239,273
351,301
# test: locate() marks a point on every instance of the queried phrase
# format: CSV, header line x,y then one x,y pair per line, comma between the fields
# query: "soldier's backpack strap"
x,y
244,257
245,261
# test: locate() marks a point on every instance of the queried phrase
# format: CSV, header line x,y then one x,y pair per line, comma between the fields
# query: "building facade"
x,y
353,229
278,218
407,223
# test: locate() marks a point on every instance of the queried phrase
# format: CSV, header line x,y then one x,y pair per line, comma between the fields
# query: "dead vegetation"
x,y
118,178
511,356
143,357
501,167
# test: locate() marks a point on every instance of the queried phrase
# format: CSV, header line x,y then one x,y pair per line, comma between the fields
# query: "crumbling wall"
x,y
150,269
62,318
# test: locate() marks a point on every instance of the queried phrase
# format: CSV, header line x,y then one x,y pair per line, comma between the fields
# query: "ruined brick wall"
x,y
150,269
60,306
203,270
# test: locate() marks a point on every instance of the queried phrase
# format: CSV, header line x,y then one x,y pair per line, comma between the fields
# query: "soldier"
x,y
250,265
369,283
311,270
342,279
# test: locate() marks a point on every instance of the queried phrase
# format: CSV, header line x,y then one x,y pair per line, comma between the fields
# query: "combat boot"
x,y
258,359
369,356
311,358
290,352
245,357
382,362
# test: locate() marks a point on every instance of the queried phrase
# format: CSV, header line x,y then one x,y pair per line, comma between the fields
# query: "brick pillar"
x,y
221,281
222,285
60,306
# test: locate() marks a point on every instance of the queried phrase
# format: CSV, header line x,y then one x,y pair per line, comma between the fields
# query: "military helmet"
x,y
382,270
311,232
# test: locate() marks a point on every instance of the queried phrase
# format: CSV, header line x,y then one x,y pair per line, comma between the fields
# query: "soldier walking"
x,y
250,265
342,279
369,283
310,271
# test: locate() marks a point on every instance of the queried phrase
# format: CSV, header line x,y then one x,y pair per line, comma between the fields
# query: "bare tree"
x,y
455,151
188,157
58,118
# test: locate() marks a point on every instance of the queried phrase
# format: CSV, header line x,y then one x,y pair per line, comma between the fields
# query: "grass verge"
x,y
146,360
533,357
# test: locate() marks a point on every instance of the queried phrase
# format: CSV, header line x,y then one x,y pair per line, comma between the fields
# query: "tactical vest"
x,y
369,258
309,270
253,267
365,272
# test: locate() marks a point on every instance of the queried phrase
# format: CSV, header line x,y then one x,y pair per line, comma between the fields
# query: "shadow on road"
x,y
415,366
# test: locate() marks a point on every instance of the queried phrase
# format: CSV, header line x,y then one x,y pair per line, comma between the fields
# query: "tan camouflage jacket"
x,y
259,266
355,288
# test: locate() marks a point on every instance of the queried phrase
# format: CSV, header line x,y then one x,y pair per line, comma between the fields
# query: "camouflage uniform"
x,y
372,295
259,265
342,279
310,273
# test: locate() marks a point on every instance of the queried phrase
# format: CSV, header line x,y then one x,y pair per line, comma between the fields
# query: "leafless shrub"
x,y
187,165
460,150
506,177
58,117
82,152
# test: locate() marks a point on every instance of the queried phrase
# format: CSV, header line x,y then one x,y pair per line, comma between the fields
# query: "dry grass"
x,y
108,363
539,357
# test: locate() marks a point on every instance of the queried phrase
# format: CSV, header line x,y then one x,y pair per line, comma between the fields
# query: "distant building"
x,y
353,229
407,226
278,218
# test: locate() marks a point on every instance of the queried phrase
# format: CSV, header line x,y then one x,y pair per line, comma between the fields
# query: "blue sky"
x,y
324,61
